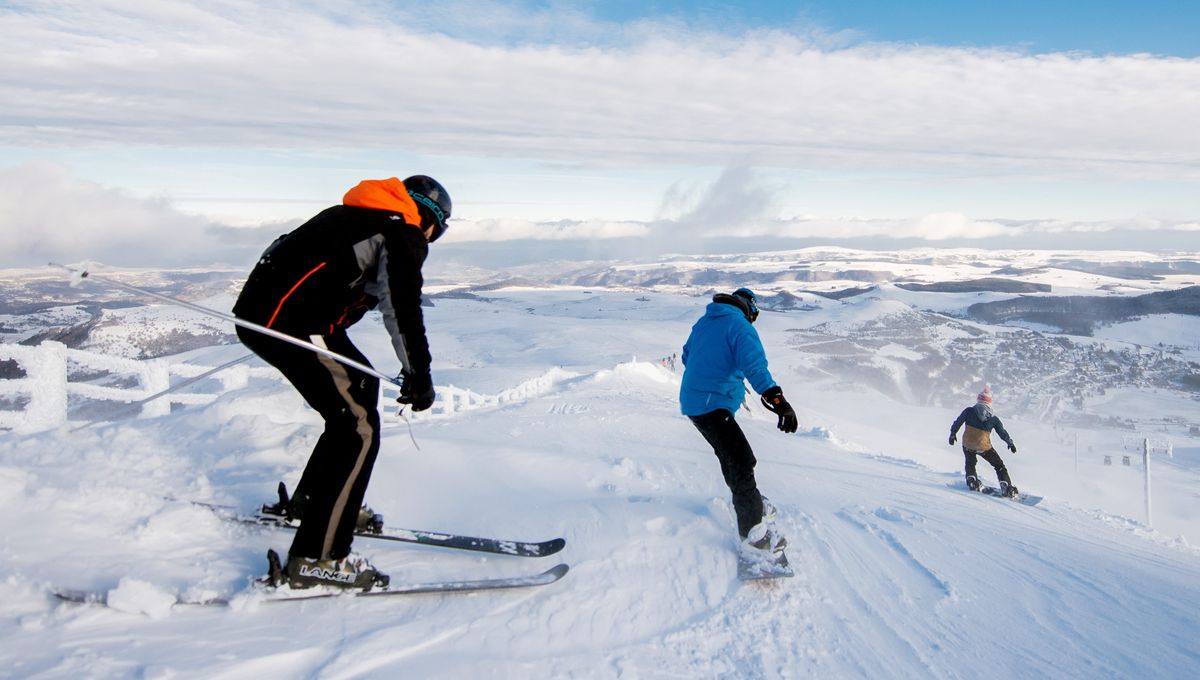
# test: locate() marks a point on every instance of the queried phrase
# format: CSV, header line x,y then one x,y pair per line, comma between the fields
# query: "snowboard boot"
x,y
350,572
1008,490
769,512
763,536
973,483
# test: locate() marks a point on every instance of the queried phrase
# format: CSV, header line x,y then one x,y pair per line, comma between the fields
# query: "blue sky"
x,y
1100,26
1162,27
163,131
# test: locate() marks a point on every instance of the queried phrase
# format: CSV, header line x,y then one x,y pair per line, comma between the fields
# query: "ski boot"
x,y
275,576
350,572
368,521
290,510
973,483
1008,490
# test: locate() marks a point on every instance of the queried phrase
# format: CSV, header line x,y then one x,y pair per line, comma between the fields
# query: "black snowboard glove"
x,y
775,403
416,390
953,438
1012,447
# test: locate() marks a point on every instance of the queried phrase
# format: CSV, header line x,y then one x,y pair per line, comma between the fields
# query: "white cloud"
x,y
742,204
368,75
48,215
737,199
561,230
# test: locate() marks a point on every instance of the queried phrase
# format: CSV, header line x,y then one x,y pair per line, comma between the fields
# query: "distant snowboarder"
x,y
977,441
314,283
723,350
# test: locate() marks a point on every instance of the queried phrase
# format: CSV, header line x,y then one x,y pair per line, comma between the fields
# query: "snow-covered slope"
x,y
898,574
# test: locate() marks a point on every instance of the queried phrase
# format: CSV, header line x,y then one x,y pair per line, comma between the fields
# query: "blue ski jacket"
x,y
722,350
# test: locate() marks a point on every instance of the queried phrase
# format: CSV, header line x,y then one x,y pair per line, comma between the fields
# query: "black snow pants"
x,y
722,432
991,457
334,482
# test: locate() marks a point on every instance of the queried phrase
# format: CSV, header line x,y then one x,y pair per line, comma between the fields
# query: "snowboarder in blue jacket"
x,y
722,351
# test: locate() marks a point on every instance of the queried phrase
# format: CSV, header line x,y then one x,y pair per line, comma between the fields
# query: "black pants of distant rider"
x,y
334,482
722,432
991,457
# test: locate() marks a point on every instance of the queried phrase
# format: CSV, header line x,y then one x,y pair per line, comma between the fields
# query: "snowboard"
x,y
754,565
1022,498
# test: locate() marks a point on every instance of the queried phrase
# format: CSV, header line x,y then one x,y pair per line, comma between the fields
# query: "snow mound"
x,y
135,596
637,372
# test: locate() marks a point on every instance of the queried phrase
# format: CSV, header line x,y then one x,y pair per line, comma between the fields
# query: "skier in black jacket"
x,y
314,283
977,441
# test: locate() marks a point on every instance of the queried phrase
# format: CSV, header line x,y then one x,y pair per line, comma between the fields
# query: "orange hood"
x,y
384,194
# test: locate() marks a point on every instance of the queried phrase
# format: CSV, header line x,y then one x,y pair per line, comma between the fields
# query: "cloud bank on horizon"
x,y
652,128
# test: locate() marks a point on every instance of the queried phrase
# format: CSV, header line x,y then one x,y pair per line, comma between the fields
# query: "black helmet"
x,y
433,203
751,303
742,298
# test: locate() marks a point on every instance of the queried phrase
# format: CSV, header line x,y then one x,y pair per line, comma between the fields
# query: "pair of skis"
x,y
276,516
545,578
430,538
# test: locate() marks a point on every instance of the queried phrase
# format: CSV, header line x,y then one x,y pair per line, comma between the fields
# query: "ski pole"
x,y
413,437
132,406
250,325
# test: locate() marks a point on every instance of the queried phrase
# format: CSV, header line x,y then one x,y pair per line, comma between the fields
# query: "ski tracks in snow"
x,y
873,592
666,603
874,523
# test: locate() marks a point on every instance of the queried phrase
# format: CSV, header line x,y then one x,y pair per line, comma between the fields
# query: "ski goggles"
x,y
434,231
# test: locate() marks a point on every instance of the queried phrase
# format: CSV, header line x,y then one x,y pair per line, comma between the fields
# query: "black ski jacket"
x,y
326,274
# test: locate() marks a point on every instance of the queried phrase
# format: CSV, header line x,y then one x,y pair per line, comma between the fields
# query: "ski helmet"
x,y
751,303
433,203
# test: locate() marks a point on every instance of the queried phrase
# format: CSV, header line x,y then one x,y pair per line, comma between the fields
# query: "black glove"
x,y
416,390
775,403
953,438
1012,447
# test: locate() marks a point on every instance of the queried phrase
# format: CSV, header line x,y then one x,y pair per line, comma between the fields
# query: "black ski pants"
x,y
992,458
334,482
722,432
